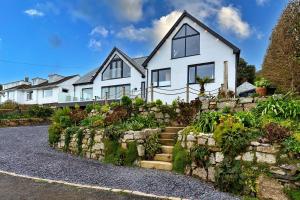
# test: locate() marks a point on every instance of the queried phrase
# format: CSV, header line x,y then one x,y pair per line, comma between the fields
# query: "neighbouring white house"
x,y
14,91
118,75
188,50
40,91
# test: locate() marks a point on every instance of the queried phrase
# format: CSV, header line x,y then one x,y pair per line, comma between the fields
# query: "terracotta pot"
x,y
261,91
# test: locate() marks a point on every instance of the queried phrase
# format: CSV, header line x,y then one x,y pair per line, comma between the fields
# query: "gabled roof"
x,y
87,78
18,87
135,62
245,87
235,49
47,84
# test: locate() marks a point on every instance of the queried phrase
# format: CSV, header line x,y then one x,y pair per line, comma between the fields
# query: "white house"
x,y
14,91
188,50
41,91
118,75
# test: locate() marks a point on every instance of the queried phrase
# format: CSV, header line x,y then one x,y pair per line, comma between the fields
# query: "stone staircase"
x,y
163,161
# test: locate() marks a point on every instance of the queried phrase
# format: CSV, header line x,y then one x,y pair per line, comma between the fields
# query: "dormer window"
x,y
117,68
186,42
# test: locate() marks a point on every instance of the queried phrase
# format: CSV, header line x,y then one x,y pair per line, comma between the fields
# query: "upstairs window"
x,y
117,68
47,93
186,42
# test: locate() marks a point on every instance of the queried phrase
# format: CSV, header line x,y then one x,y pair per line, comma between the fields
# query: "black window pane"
x,y
164,77
192,75
190,31
178,48
126,70
181,32
193,45
206,71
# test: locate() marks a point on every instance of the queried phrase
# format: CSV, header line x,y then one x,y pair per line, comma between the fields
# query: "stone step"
x,y
167,149
163,157
156,165
173,129
167,142
168,135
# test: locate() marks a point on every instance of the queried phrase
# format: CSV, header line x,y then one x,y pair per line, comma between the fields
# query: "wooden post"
x,y
152,92
226,76
106,97
187,93
123,91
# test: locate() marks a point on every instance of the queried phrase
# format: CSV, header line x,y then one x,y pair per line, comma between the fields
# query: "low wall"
x,y
257,152
23,122
93,142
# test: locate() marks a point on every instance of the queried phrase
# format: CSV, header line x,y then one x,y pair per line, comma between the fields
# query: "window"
x,y
115,92
143,89
161,77
201,70
186,42
87,93
117,68
29,95
47,93
11,95
65,90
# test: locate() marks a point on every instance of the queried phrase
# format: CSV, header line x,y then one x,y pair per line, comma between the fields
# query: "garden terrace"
x,y
233,143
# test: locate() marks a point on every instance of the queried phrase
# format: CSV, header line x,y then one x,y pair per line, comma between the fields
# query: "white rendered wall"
x,y
211,50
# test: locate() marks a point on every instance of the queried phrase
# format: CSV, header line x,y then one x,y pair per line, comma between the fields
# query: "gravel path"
x,y
24,150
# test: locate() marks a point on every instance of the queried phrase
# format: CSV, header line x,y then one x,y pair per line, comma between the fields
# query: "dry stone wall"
x,y
256,152
93,146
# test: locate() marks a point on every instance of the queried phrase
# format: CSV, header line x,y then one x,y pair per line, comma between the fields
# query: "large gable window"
x,y
201,71
186,42
117,68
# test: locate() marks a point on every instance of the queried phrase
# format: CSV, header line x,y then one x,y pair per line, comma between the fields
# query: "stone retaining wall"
x,y
256,152
93,142
23,122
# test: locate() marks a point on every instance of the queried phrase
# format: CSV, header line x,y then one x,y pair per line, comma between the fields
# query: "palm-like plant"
x,y
202,82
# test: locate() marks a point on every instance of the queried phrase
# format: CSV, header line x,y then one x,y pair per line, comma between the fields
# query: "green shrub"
x,y
112,152
54,132
131,154
291,144
65,121
138,102
232,137
229,177
113,132
158,102
247,118
200,155
293,194
152,146
61,112
40,111
93,121
79,136
226,110
68,134
90,107
207,121
113,105
262,82
282,107
126,101
180,158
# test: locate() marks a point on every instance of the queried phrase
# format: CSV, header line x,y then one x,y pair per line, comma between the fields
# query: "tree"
x,y
202,82
282,61
245,72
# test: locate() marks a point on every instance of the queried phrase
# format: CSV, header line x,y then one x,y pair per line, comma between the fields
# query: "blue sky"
x,y
73,37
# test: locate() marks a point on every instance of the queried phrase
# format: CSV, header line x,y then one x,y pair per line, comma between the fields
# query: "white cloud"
x,y
134,34
34,13
229,19
261,2
155,33
95,44
99,30
200,9
128,10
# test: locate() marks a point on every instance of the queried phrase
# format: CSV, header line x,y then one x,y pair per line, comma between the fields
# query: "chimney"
x,y
26,79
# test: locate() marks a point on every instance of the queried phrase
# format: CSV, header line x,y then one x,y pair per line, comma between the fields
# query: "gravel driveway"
x,y
24,150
